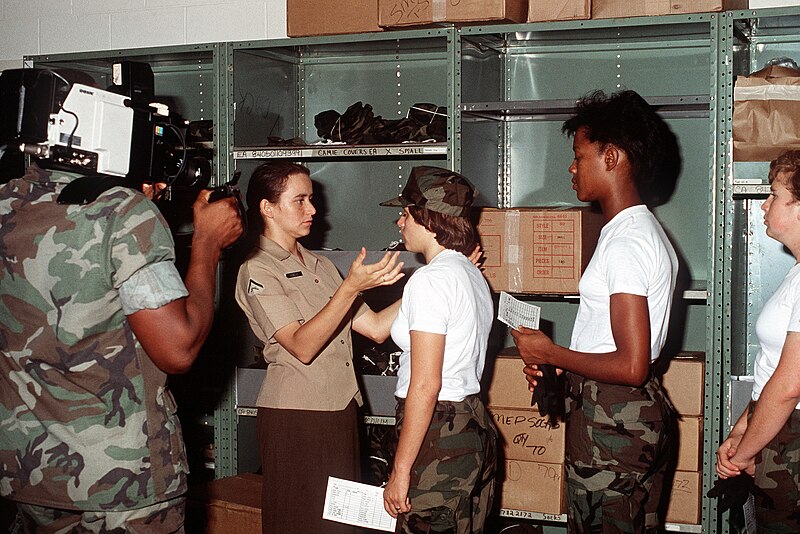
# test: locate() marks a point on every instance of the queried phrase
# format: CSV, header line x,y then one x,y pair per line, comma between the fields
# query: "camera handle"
x,y
231,189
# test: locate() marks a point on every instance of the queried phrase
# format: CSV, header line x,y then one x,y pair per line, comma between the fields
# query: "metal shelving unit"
x,y
507,89
521,81
751,264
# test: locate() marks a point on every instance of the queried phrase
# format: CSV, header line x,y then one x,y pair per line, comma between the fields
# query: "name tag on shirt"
x,y
294,274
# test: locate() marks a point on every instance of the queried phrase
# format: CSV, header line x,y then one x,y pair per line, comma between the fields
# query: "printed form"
x,y
514,312
357,504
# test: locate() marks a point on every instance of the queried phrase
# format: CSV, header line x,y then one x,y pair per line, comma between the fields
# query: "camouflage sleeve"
x,y
138,236
151,287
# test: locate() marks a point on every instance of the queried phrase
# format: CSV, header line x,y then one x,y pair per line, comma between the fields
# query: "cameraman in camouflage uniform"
x,y
93,315
619,422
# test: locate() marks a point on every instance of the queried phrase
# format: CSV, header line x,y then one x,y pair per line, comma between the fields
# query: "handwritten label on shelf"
x,y
344,151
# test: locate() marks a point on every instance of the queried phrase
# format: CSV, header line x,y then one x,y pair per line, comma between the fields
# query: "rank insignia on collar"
x,y
253,287
294,274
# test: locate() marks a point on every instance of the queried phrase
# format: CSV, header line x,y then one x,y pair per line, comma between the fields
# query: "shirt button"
x,y
341,341
316,280
347,364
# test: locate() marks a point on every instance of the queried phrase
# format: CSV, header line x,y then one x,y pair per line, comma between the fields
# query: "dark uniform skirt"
x,y
299,450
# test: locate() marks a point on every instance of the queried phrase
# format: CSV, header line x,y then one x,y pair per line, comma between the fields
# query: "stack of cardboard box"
x,y
327,17
532,468
684,382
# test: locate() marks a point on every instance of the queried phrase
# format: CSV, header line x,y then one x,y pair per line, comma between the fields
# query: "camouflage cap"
x,y
436,189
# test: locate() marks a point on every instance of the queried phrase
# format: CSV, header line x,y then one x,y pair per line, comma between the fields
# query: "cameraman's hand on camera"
x,y
217,223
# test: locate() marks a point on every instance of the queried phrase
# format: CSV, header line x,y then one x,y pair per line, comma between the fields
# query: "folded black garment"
x,y
549,395
348,127
359,125
432,120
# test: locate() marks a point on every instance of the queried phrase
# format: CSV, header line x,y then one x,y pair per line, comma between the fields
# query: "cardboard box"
x,y
225,505
507,386
690,434
532,487
397,13
537,250
604,9
528,436
684,502
545,10
330,17
684,381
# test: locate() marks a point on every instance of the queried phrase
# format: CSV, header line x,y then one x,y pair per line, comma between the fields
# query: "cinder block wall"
x,y
30,27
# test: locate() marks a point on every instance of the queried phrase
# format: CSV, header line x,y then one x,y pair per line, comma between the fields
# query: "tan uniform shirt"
x,y
274,289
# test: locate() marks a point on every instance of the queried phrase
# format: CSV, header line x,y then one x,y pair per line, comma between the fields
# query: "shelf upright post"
x,y
454,130
718,351
225,443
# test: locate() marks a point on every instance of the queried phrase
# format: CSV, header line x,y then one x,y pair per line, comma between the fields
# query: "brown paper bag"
x,y
766,114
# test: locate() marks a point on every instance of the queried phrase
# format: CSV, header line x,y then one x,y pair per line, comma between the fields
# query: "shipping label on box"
x,y
684,382
421,12
603,9
690,435
330,17
684,501
527,435
537,250
532,487
547,10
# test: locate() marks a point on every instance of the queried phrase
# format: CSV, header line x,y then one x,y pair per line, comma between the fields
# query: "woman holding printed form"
x,y
618,424
442,478
301,309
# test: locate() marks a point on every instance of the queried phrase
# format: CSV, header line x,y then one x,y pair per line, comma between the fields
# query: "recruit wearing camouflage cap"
x,y
436,189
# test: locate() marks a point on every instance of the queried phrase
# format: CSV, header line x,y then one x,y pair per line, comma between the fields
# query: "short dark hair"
x,y
625,120
788,162
268,181
453,232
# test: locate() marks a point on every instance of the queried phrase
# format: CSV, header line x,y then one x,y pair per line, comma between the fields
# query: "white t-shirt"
x,y
448,296
633,256
780,315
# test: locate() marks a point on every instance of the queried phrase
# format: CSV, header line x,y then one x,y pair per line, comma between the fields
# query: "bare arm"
x,y
728,448
305,341
377,325
776,403
427,358
628,365
174,349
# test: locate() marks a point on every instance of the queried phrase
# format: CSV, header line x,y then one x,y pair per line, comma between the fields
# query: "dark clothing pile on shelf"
x,y
359,126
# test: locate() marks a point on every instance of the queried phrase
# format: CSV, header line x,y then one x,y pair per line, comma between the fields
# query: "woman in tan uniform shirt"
x,y
299,306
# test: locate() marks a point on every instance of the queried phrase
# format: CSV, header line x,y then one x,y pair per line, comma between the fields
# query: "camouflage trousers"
x,y
777,504
452,481
162,518
620,445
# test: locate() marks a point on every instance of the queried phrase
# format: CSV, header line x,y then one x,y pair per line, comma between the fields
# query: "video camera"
x,y
119,136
